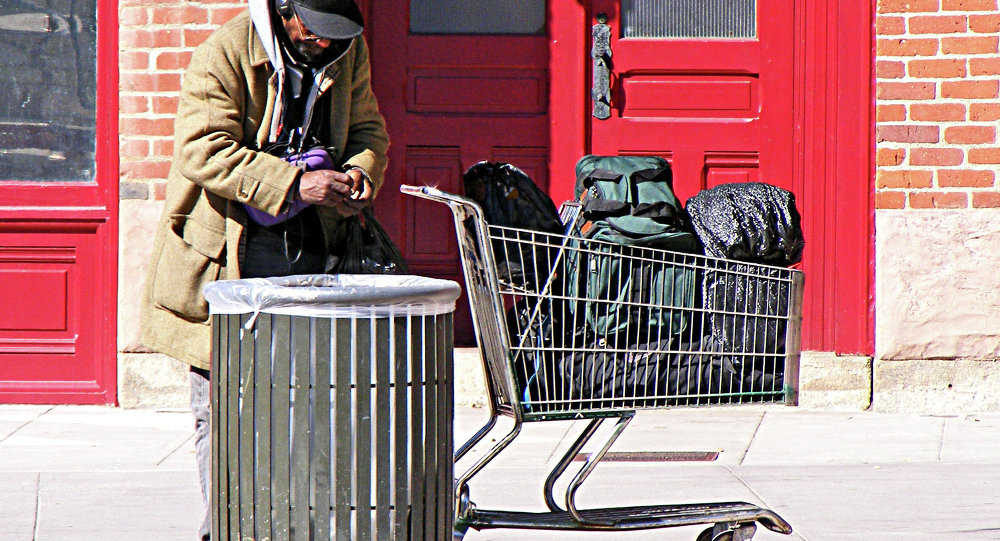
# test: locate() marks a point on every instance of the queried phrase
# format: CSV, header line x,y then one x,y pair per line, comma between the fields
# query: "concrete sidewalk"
x,y
93,473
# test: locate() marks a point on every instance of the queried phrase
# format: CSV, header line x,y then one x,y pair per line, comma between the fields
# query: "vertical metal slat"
x,y
383,429
321,465
362,426
245,416
262,425
343,429
280,426
299,514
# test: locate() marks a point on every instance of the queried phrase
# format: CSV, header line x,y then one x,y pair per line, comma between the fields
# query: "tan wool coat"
x,y
227,103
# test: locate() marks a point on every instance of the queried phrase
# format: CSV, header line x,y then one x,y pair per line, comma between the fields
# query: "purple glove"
x,y
312,160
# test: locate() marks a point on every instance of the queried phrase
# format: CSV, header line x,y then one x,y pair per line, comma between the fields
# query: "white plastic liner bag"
x,y
334,295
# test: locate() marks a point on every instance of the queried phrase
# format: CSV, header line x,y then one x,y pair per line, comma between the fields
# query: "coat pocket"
x,y
191,257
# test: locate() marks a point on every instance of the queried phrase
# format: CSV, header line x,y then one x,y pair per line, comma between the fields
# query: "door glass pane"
x,y
689,18
48,75
477,17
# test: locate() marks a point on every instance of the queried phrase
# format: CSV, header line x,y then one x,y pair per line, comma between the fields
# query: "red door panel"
x,y
58,208
719,109
451,100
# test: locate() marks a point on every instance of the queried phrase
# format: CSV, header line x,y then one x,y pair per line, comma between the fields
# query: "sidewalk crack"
x,y
26,423
753,437
174,450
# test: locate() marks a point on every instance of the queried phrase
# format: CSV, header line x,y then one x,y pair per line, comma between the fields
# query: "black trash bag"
x,y
660,373
510,198
361,246
747,307
749,221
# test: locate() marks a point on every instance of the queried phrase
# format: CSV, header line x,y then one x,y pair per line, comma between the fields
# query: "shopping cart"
x,y
574,328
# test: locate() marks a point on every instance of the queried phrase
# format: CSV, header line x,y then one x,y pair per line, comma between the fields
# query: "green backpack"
x,y
629,201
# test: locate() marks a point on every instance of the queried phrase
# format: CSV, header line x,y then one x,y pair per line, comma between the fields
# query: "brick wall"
x,y
937,104
156,40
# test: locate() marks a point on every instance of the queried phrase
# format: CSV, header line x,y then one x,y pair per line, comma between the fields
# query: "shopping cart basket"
x,y
574,328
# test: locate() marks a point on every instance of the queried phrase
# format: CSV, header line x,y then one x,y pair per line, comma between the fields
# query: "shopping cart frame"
x,y
729,520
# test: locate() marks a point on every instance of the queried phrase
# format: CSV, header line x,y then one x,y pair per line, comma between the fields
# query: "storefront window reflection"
x,y
48,81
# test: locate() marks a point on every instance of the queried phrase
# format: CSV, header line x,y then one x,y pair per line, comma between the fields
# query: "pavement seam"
x,y
944,427
753,437
38,507
174,450
760,498
26,423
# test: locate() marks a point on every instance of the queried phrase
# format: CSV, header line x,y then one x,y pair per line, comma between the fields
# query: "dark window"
x,y
689,18
477,17
48,81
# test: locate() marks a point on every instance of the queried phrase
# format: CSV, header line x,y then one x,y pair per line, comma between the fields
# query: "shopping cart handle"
x,y
434,194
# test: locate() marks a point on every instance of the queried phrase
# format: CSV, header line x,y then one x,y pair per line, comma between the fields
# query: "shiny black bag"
x,y
362,246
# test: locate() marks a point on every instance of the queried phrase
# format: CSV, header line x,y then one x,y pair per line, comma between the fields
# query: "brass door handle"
x,y
601,54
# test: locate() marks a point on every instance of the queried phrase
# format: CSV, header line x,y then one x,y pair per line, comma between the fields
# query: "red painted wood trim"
x,y
569,58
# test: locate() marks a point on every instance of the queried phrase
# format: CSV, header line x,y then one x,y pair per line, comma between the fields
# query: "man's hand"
x,y
326,187
348,192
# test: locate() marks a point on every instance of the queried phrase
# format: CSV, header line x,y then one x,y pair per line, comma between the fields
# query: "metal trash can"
x,y
332,408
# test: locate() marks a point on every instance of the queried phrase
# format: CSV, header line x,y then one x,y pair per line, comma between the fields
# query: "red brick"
x,y
970,89
942,68
984,112
888,69
969,45
937,112
939,200
221,15
890,113
906,133
163,147
133,147
968,5
984,155
160,191
889,26
949,24
986,199
985,24
984,66
906,47
194,37
133,60
167,37
889,156
146,126
904,91
131,105
173,60
936,156
133,16
165,105
145,169
180,15
970,135
890,200
129,38
964,178
903,179
150,82
906,6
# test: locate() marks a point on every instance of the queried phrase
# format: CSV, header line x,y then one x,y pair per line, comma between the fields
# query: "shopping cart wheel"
x,y
728,531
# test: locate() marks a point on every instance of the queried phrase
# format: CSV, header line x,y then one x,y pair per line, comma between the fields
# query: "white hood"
x,y
260,16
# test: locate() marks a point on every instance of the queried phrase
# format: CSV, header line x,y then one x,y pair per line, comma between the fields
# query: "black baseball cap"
x,y
330,19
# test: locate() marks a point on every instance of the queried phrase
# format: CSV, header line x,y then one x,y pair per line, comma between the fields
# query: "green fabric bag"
x,y
629,201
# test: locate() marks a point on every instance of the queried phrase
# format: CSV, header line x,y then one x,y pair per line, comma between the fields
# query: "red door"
x,y
707,85
458,82
740,90
58,202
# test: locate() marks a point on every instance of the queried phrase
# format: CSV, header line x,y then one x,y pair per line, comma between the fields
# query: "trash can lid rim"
x,y
334,295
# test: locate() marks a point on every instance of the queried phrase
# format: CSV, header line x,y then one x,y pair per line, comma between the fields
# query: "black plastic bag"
x,y
361,246
510,198
751,221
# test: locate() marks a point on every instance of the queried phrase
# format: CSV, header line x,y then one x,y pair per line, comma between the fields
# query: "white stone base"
x,y
936,387
151,380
